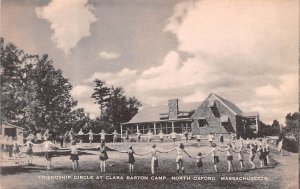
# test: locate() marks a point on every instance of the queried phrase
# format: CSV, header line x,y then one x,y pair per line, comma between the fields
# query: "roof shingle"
x,y
151,113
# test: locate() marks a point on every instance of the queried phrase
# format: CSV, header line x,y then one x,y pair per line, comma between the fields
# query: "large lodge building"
x,y
214,115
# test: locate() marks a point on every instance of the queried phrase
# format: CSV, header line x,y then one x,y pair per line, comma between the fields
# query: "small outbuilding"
x,y
16,132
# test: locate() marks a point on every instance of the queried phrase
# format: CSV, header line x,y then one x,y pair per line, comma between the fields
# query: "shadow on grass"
x,y
21,169
61,153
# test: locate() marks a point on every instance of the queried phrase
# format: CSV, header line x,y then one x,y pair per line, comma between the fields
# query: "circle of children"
x,y
254,147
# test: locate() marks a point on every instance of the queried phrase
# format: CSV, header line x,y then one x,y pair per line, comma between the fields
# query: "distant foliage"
x,y
269,130
291,132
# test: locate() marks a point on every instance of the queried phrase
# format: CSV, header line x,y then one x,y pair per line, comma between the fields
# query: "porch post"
x,y
154,128
172,126
121,130
137,127
166,128
256,123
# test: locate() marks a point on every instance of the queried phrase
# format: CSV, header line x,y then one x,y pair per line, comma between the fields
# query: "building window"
x,y
202,122
10,132
224,119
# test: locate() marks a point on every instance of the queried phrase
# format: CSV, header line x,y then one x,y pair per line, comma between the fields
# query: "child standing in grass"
x,y
66,139
161,136
138,134
173,135
262,155
267,152
103,156
221,139
126,136
214,152
228,151
199,163
102,136
211,139
198,138
186,135
179,158
48,145
61,140
150,136
91,136
154,158
46,134
115,136
131,159
10,146
29,144
5,147
252,152
74,155
240,152
80,136
16,150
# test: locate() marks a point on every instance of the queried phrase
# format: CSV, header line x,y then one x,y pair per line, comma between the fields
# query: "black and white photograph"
x,y
143,94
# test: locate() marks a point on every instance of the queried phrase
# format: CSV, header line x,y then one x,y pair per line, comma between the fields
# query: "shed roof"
x,y
11,125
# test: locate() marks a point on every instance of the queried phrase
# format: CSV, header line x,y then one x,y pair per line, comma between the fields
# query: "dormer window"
x,y
211,103
164,116
224,119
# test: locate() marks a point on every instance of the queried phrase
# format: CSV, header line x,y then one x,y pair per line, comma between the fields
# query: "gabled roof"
x,y
9,124
151,113
236,110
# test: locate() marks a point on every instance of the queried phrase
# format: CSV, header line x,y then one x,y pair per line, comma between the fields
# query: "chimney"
x,y
173,108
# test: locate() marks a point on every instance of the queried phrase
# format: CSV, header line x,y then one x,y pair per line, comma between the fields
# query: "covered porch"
x,y
166,126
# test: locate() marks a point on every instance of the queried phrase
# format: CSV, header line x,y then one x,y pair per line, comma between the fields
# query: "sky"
x,y
243,50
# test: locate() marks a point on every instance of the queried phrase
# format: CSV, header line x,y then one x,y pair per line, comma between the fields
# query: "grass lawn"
x,y
283,173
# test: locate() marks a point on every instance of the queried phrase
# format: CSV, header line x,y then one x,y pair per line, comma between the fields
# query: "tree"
x,y
269,130
33,93
115,107
78,119
53,94
11,81
101,94
291,132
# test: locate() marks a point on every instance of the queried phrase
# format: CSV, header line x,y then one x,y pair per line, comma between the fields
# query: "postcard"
x,y
149,94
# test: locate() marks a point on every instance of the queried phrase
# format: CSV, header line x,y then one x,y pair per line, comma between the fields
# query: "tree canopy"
x,y
114,105
36,95
33,93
